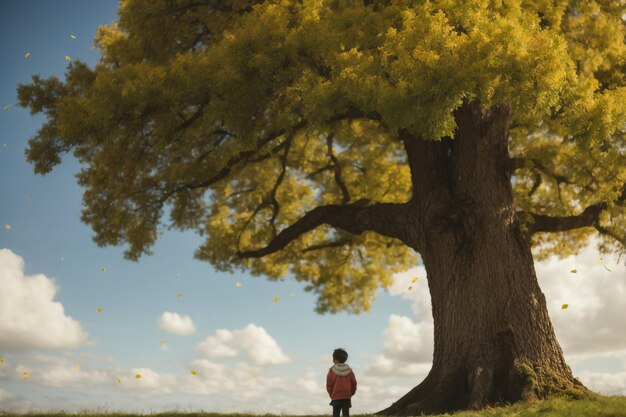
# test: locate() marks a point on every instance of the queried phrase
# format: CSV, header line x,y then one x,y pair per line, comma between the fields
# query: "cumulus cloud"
x,y
261,348
593,322
176,324
4,395
54,372
29,317
150,383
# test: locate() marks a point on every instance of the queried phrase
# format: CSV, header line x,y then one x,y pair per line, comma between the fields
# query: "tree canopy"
x,y
273,128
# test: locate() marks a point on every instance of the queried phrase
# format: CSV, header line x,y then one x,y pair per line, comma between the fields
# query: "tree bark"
x,y
494,342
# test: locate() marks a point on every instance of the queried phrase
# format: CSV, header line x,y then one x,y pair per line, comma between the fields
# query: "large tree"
x,y
338,140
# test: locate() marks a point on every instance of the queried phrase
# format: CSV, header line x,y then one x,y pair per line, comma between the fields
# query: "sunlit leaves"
x,y
223,120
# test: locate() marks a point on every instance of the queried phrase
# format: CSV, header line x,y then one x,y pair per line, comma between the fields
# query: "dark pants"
x,y
342,406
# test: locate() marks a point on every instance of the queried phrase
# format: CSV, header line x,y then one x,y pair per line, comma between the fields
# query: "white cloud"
x,y
4,395
176,324
150,383
29,318
593,322
604,383
55,372
261,348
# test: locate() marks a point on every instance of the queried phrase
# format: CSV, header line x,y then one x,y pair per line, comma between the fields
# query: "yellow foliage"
x,y
238,117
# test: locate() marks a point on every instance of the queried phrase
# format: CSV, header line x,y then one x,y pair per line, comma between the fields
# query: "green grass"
x,y
558,407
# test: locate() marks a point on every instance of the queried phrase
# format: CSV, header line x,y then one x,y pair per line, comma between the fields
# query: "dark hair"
x,y
340,355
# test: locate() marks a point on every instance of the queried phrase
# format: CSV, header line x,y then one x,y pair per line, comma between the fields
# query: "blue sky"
x,y
274,354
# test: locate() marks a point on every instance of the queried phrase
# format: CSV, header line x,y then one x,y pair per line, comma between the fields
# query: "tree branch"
x,y
337,167
384,218
588,218
612,234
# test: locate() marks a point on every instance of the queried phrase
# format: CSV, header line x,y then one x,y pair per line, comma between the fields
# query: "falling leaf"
x,y
2,360
193,372
4,145
73,36
25,375
607,268
77,366
179,295
104,269
238,285
394,325
573,271
178,275
26,55
7,226
292,294
414,280
68,58
255,375
7,107
410,287
162,342
99,309
62,258
138,376
276,298
29,199
119,380
564,306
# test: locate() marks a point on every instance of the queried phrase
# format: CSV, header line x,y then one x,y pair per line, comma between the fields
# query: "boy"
x,y
340,383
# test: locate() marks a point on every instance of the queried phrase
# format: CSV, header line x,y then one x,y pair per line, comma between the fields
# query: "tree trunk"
x,y
494,342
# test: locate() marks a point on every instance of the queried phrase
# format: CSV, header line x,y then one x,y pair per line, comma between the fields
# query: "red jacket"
x,y
340,382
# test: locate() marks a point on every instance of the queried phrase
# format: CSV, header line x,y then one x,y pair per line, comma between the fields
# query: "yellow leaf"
x,y
414,279
179,295
255,375
29,199
77,366
276,298
193,372
25,375
410,287
2,360
564,306
7,226
68,58
26,55
573,271
119,380
138,376
238,285
99,309
104,269
162,342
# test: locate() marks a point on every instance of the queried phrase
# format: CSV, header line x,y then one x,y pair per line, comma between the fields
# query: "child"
x,y
340,383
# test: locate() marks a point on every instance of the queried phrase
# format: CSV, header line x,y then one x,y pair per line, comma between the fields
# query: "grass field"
x,y
594,407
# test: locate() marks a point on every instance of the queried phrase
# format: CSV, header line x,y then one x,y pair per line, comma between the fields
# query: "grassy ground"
x,y
594,407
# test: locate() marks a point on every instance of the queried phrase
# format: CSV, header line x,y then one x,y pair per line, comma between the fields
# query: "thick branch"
x,y
588,218
384,218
